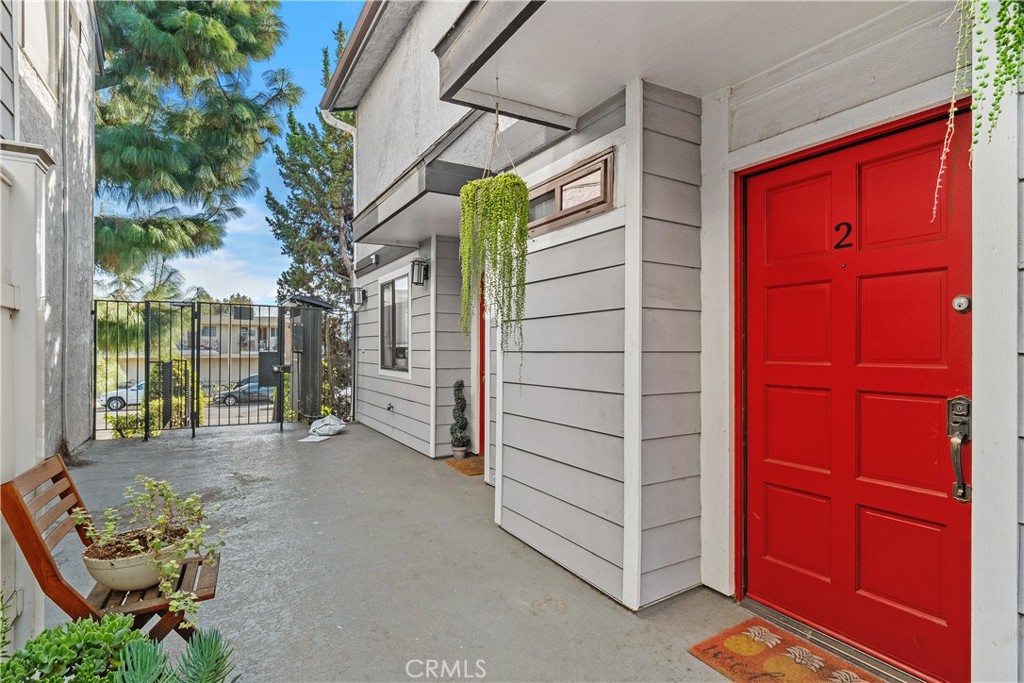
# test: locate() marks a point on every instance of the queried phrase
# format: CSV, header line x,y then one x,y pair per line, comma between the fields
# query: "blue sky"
x,y
251,260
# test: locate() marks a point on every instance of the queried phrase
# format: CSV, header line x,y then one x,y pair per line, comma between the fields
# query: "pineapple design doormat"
x,y
761,652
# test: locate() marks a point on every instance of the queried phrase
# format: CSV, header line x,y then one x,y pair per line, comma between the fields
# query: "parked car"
x,y
130,395
246,390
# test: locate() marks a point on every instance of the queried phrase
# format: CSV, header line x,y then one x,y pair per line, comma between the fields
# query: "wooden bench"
x,y
39,507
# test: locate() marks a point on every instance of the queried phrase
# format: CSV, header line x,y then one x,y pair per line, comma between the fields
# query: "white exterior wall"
x,y
47,67
22,361
401,115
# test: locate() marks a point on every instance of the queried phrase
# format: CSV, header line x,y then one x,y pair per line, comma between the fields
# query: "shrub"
x,y
460,438
130,425
110,651
85,651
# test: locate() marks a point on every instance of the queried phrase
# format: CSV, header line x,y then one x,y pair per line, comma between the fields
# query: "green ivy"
x,y
493,233
990,82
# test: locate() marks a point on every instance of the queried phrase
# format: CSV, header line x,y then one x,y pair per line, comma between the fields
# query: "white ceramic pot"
x,y
125,573
459,453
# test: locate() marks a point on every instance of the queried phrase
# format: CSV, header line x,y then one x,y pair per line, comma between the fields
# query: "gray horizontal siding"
x,y
562,399
408,418
588,566
670,365
453,349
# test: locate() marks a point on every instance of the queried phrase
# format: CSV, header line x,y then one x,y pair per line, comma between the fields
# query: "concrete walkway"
x,y
349,558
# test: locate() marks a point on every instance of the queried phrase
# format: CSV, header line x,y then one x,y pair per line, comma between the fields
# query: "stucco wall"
x,y
401,115
69,262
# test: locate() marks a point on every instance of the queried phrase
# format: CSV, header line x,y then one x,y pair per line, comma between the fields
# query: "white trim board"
x,y
499,421
487,398
994,529
433,346
630,183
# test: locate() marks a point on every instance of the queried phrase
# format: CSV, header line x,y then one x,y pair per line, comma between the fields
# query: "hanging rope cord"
x,y
496,139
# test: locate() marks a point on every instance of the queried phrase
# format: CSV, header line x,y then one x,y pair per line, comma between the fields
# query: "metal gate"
x,y
186,364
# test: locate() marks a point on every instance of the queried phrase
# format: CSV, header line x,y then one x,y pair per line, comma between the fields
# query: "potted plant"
x,y
493,234
166,528
460,438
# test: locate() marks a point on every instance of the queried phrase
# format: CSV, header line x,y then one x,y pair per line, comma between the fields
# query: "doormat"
x,y
759,651
471,467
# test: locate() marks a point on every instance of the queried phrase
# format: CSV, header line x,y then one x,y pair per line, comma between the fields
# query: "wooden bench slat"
x,y
115,599
187,579
29,481
98,596
206,587
54,513
58,534
59,487
134,597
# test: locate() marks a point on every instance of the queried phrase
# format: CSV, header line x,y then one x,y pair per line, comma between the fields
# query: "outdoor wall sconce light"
x,y
420,272
358,296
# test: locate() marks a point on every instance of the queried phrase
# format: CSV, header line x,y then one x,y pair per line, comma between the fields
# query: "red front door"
x,y
852,350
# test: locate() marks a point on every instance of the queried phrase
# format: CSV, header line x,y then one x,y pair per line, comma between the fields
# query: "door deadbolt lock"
x,y
961,303
958,429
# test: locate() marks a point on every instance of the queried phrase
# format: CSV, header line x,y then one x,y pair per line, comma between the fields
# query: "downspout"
x,y
65,205
333,122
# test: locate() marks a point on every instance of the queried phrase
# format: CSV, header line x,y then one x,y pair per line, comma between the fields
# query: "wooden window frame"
x,y
604,162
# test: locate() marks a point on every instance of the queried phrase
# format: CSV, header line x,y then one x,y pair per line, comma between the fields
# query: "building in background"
x,y
49,56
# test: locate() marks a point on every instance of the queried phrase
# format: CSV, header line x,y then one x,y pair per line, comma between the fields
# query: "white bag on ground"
x,y
326,426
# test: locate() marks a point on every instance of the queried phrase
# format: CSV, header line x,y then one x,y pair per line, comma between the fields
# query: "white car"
x,y
125,396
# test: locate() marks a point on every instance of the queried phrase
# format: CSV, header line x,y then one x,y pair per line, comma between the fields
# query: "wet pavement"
x,y
358,559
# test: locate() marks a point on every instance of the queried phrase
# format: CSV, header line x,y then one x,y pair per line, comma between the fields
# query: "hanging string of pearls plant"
x,y
990,81
492,247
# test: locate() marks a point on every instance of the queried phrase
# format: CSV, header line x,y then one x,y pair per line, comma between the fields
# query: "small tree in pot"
x,y
460,437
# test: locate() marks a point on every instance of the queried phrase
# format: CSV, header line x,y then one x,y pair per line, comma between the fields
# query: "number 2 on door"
x,y
846,229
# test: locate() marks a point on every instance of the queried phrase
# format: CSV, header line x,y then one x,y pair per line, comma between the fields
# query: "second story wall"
x,y
55,66
401,114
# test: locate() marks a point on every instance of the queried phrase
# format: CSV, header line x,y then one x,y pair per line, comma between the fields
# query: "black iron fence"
x,y
181,365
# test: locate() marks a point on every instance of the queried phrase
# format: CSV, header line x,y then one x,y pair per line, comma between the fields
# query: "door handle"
x,y
958,429
961,490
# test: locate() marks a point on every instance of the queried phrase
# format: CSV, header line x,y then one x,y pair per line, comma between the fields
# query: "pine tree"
x,y
177,128
314,222
314,225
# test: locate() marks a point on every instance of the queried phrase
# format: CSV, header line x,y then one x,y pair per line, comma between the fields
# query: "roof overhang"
x,y
550,62
377,31
422,203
